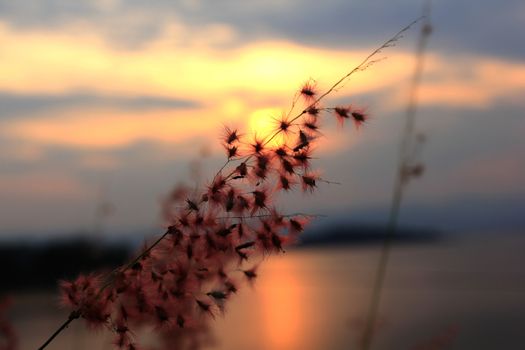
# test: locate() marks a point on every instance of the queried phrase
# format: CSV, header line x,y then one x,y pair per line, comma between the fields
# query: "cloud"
x,y
465,26
68,62
41,185
77,69
33,105
468,81
103,128
228,88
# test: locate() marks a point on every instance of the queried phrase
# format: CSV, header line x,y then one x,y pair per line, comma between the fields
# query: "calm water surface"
x,y
468,293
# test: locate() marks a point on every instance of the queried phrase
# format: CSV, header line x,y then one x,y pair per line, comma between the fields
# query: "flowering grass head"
x,y
217,236
214,239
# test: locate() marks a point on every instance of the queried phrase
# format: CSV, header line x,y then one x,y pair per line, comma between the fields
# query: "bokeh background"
x,y
106,105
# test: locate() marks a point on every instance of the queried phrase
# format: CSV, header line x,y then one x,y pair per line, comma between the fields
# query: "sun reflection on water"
x,y
281,302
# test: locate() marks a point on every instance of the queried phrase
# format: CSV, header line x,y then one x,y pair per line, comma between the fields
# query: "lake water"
x,y
460,293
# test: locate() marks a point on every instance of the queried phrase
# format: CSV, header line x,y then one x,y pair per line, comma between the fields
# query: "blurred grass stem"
x,y
407,143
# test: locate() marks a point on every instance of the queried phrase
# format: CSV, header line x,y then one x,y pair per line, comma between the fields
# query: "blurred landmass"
x,y
40,265
339,234
32,265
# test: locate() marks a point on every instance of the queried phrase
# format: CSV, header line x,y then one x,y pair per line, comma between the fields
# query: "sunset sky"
x,y
115,100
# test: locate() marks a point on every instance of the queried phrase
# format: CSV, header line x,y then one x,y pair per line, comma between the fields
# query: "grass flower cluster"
x,y
216,237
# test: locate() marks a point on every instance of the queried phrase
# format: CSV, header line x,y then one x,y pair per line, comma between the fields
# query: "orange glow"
x,y
234,86
109,128
83,61
77,59
488,80
281,302
233,108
